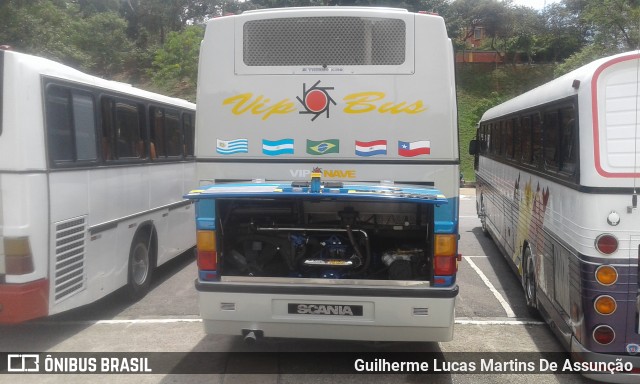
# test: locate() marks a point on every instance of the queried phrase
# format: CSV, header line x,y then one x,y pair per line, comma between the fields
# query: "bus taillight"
x,y
207,255
605,305
445,255
606,275
606,243
603,334
18,257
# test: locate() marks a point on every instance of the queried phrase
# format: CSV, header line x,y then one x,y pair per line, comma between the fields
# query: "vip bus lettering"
x,y
259,105
363,102
356,103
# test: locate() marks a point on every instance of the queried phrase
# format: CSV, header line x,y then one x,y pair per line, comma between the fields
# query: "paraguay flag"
x,y
277,147
414,148
371,148
228,147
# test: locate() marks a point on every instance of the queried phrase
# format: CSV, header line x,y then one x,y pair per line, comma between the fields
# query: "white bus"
x,y
557,171
92,174
352,96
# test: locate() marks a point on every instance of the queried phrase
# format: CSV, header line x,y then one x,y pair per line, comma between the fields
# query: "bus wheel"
x,y
529,282
140,267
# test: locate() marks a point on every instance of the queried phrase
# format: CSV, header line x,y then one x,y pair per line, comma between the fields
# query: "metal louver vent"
x,y
70,250
324,41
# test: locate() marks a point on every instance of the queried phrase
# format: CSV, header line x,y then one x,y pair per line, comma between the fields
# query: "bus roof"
x,y
54,69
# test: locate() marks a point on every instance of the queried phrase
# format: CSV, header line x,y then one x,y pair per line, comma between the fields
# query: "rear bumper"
x,y
581,354
22,302
329,312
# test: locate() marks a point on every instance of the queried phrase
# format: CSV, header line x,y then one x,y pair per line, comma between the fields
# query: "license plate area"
x,y
325,309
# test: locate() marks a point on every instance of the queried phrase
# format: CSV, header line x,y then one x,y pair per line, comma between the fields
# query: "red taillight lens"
x,y
207,255
445,266
445,255
606,244
603,334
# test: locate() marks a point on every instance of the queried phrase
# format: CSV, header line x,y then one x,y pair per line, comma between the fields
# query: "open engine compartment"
x,y
325,239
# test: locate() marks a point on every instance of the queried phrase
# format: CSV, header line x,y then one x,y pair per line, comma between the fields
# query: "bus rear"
x,y
24,285
337,130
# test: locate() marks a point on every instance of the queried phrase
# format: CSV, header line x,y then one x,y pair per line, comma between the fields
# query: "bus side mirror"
x,y
473,147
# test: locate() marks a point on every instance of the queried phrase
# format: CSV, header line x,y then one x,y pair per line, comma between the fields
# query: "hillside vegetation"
x,y
480,87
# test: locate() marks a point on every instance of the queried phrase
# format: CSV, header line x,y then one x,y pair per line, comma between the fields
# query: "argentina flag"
x,y
228,147
277,147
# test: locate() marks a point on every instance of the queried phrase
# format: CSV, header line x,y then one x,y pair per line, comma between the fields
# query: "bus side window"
x,y
71,125
107,128
568,138
127,130
517,143
188,130
157,132
536,142
550,140
526,140
173,134
59,128
508,136
84,122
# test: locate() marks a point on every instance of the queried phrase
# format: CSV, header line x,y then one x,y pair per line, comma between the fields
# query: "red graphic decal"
x,y
316,100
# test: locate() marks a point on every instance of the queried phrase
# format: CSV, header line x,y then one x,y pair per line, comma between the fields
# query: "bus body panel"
x,y
69,227
276,117
380,320
561,215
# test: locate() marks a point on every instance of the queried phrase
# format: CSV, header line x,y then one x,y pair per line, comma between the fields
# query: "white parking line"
x,y
498,296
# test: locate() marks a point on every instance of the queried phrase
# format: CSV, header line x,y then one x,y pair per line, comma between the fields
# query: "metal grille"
x,y
70,249
324,41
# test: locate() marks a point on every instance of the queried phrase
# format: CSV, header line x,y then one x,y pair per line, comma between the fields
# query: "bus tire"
x,y
140,267
529,282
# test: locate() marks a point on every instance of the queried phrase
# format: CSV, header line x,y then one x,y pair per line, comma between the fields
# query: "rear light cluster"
x,y
207,255
445,261
18,256
605,305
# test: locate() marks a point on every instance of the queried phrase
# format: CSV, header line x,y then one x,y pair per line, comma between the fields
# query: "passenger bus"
x,y
327,150
558,170
92,174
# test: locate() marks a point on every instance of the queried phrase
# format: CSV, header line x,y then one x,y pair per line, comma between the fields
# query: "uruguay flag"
x,y
414,148
228,147
371,148
277,147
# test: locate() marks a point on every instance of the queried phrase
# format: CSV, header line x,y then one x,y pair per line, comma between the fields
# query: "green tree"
x,y
611,26
175,65
42,27
102,37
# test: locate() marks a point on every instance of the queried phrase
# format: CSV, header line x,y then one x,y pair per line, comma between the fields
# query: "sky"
x,y
535,4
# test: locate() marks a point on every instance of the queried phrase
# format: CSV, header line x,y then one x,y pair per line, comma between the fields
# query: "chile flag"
x,y
414,148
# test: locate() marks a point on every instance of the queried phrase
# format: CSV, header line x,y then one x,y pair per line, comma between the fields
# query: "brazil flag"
x,y
323,147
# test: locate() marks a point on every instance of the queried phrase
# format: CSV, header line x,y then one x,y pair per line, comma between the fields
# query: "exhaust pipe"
x,y
251,336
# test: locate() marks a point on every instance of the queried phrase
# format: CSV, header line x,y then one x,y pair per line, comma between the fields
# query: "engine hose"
x,y
367,259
